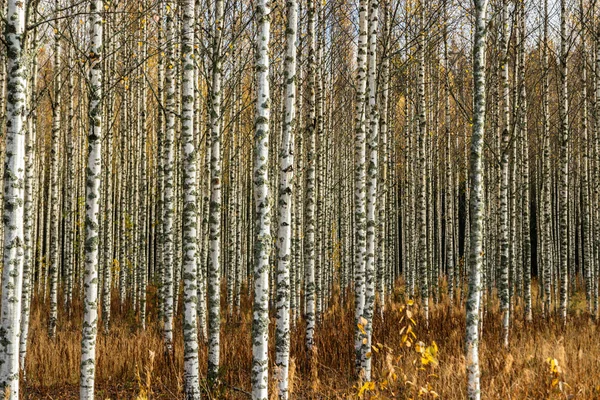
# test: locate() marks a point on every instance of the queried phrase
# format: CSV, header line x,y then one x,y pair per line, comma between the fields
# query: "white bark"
x,y
168,188
214,264
309,214
373,142
29,211
360,180
190,240
262,243
14,175
476,204
286,163
54,183
92,196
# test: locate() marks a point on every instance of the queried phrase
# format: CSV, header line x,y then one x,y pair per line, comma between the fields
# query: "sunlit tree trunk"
x,y
189,245
14,169
93,175
284,241
372,172
169,187
476,203
310,199
503,284
31,201
360,182
262,214
383,267
214,264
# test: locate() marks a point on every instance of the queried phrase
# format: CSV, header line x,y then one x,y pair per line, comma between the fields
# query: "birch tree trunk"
x,y
29,210
14,170
372,194
546,185
190,240
476,203
360,182
214,264
286,184
92,196
54,182
563,165
422,165
503,284
309,213
525,174
168,186
262,244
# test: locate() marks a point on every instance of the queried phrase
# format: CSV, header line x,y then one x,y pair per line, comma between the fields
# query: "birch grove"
x,y
299,199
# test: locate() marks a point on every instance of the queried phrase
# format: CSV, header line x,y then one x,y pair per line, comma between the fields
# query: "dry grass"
x,y
125,370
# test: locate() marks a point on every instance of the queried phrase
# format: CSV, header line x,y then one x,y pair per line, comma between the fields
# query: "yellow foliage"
x,y
366,387
554,368
429,355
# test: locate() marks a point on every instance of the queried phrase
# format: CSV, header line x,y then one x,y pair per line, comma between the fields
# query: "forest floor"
x,y
545,359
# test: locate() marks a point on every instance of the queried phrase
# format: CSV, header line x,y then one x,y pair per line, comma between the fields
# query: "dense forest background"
x,y
375,199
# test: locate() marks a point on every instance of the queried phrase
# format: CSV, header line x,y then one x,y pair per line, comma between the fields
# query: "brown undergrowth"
x,y
545,360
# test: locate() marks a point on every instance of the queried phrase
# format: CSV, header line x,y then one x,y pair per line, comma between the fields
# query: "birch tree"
x,y
286,171
360,182
168,186
372,172
54,197
192,384
564,164
262,213
214,265
14,167
476,202
92,196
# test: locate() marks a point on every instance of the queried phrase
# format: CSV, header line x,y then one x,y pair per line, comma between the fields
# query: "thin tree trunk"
x,y
476,203
284,242
189,245
214,264
262,244
93,176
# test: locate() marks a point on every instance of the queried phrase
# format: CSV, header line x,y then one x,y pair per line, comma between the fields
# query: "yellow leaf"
x,y
366,387
361,329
